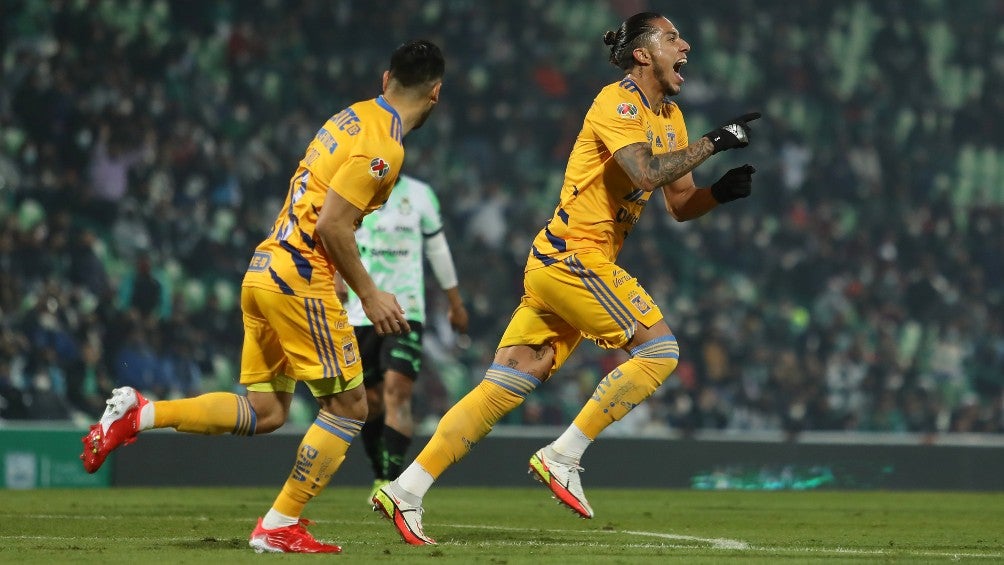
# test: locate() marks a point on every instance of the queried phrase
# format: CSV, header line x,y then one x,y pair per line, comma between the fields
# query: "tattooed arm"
x,y
671,172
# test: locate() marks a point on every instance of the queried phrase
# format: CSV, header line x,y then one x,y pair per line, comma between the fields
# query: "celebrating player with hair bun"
x,y
633,142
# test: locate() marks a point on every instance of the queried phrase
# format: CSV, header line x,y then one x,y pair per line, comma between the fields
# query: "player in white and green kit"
x,y
392,242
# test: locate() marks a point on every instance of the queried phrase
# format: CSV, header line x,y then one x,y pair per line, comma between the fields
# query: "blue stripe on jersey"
x,y
634,195
563,215
557,242
307,239
541,257
285,288
618,312
297,188
630,86
320,346
395,130
303,266
395,123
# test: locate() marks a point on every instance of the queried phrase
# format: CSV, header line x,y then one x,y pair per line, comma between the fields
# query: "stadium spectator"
x,y
831,233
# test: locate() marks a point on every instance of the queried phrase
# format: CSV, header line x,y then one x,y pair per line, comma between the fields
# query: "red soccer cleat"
x,y
290,539
118,426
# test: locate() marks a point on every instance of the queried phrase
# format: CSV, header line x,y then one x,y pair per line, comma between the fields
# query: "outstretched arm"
x,y
649,172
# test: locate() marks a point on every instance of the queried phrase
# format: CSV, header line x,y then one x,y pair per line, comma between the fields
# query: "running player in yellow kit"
x,y
633,142
295,328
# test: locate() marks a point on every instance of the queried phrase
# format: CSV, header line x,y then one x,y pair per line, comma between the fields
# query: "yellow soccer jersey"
x,y
358,154
599,205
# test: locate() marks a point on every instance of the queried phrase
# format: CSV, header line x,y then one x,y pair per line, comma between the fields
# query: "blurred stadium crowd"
x,y
146,146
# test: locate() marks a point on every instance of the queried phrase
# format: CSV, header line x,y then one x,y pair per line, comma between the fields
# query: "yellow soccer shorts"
x,y
584,295
291,338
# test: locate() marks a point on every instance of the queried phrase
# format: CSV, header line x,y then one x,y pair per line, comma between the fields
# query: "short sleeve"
x,y
616,119
368,173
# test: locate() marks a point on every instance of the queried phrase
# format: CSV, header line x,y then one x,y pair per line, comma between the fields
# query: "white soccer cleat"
x,y
407,518
561,475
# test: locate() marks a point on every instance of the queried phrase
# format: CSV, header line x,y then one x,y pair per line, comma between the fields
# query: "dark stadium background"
x,y
146,146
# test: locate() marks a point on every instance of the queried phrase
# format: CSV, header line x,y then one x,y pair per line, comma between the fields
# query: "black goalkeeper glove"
x,y
736,183
732,135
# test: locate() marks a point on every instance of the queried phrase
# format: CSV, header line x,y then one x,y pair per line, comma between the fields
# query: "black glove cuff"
x,y
715,137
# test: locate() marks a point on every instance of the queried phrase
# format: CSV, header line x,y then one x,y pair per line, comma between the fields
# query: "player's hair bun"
x,y
610,38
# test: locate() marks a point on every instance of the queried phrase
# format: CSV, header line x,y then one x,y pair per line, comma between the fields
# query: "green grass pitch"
x,y
512,526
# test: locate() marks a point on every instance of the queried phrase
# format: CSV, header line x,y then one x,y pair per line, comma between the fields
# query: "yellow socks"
x,y
321,453
469,420
212,413
629,384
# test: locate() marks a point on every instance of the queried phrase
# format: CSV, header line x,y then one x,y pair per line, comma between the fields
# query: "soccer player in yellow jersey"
x,y
633,142
295,328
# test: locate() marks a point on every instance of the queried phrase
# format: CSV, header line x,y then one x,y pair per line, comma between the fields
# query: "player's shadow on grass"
x,y
213,543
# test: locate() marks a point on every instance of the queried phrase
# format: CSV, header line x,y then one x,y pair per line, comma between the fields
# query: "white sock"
x,y
146,416
274,519
415,480
572,443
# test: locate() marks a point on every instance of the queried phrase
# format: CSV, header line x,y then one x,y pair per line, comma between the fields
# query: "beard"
x,y
422,118
662,77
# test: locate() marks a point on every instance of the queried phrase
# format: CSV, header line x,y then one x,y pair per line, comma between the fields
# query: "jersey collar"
x,y
382,102
629,84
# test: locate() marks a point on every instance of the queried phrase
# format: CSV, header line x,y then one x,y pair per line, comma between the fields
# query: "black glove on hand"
x,y
732,135
736,183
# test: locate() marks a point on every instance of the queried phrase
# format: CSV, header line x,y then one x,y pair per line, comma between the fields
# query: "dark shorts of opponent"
x,y
401,353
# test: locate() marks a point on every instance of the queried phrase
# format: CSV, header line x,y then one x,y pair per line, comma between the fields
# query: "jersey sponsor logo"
x,y
620,277
383,252
379,168
627,110
625,216
260,261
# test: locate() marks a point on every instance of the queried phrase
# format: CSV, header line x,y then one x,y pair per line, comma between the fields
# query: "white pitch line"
x,y
716,543
724,544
